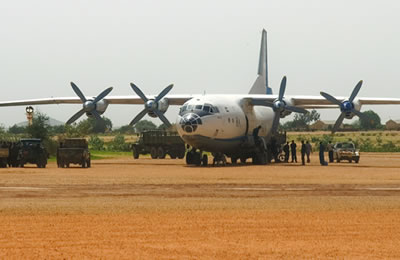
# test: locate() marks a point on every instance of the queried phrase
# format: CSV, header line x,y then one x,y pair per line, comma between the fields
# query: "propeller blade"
x,y
76,116
262,103
162,117
78,92
275,123
102,95
282,89
163,93
358,113
138,117
338,122
96,115
331,98
355,91
139,92
296,109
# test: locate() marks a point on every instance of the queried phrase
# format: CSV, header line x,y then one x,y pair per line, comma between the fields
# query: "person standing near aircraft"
x,y
286,150
255,136
293,150
321,154
330,151
308,151
303,153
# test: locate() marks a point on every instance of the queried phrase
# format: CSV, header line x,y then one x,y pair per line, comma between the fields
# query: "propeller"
x,y
346,106
89,106
151,105
279,105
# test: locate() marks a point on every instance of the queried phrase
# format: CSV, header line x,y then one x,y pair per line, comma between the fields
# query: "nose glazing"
x,y
189,122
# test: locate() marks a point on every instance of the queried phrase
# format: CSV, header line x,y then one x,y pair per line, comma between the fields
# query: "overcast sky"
x,y
200,46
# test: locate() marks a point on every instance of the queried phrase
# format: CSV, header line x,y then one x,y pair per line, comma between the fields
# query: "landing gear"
x,y
219,159
194,158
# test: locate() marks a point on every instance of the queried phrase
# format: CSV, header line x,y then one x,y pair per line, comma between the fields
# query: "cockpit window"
x,y
206,108
190,107
199,107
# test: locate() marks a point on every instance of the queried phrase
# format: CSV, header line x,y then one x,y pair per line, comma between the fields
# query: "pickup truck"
x,y
346,151
73,151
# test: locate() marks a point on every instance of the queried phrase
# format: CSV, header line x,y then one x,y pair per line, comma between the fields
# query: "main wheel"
x,y
135,152
153,153
204,160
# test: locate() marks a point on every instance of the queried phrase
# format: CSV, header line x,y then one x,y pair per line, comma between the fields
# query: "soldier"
x,y
255,135
308,151
293,150
286,151
330,151
321,154
303,153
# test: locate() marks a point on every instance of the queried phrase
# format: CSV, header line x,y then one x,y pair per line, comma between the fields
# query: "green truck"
x,y
73,151
4,154
159,143
31,151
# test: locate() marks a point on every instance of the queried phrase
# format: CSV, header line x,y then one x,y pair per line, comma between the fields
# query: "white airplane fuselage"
x,y
221,123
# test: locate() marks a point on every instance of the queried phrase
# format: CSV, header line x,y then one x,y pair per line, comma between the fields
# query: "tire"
x,y
161,153
350,160
189,159
338,160
172,155
234,160
243,160
204,160
181,153
88,163
357,160
153,153
135,152
83,163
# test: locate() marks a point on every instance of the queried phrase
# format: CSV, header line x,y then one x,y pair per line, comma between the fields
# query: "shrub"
x,y
96,143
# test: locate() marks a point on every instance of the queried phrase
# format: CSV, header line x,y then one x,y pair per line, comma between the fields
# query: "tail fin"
x,y
260,86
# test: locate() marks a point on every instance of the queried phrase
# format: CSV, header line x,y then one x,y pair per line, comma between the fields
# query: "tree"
x,y
370,121
302,121
126,129
143,125
17,129
93,126
39,127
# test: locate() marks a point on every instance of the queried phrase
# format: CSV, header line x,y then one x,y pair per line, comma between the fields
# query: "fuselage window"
x,y
198,107
229,119
226,109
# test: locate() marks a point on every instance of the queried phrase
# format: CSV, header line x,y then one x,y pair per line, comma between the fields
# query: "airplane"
x,y
239,126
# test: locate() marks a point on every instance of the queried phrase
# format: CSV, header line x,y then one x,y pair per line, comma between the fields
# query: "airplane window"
x,y
199,107
190,107
206,108
216,110
229,120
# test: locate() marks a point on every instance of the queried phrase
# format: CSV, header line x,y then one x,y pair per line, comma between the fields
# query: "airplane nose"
x,y
189,122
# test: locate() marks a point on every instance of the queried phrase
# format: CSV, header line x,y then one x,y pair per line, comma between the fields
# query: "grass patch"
x,y
96,155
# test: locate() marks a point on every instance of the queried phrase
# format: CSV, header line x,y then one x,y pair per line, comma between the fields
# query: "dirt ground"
x,y
163,209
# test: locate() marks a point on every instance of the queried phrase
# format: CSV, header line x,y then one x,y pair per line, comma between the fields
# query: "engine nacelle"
x,y
285,112
101,107
356,105
162,106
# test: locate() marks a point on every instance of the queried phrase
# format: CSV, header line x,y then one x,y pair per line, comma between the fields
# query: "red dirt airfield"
x,y
162,209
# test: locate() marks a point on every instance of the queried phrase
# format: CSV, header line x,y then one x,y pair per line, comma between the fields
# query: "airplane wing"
x,y
319,102
119,100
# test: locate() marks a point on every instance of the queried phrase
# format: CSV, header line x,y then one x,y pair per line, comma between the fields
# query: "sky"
x,y
200,46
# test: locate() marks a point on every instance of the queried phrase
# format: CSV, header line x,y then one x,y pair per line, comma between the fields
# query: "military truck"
x,y
73,151
4,153
159,143
32,151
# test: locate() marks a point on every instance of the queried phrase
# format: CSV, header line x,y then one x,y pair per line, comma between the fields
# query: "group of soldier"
x,y
306,150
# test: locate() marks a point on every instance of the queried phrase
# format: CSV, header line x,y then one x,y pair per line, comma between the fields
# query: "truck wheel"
x,y
338,160
135,153
153,153
172,155
161,153
83,163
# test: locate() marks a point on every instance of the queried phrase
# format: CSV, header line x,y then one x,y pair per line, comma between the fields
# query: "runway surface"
x,y
126,208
